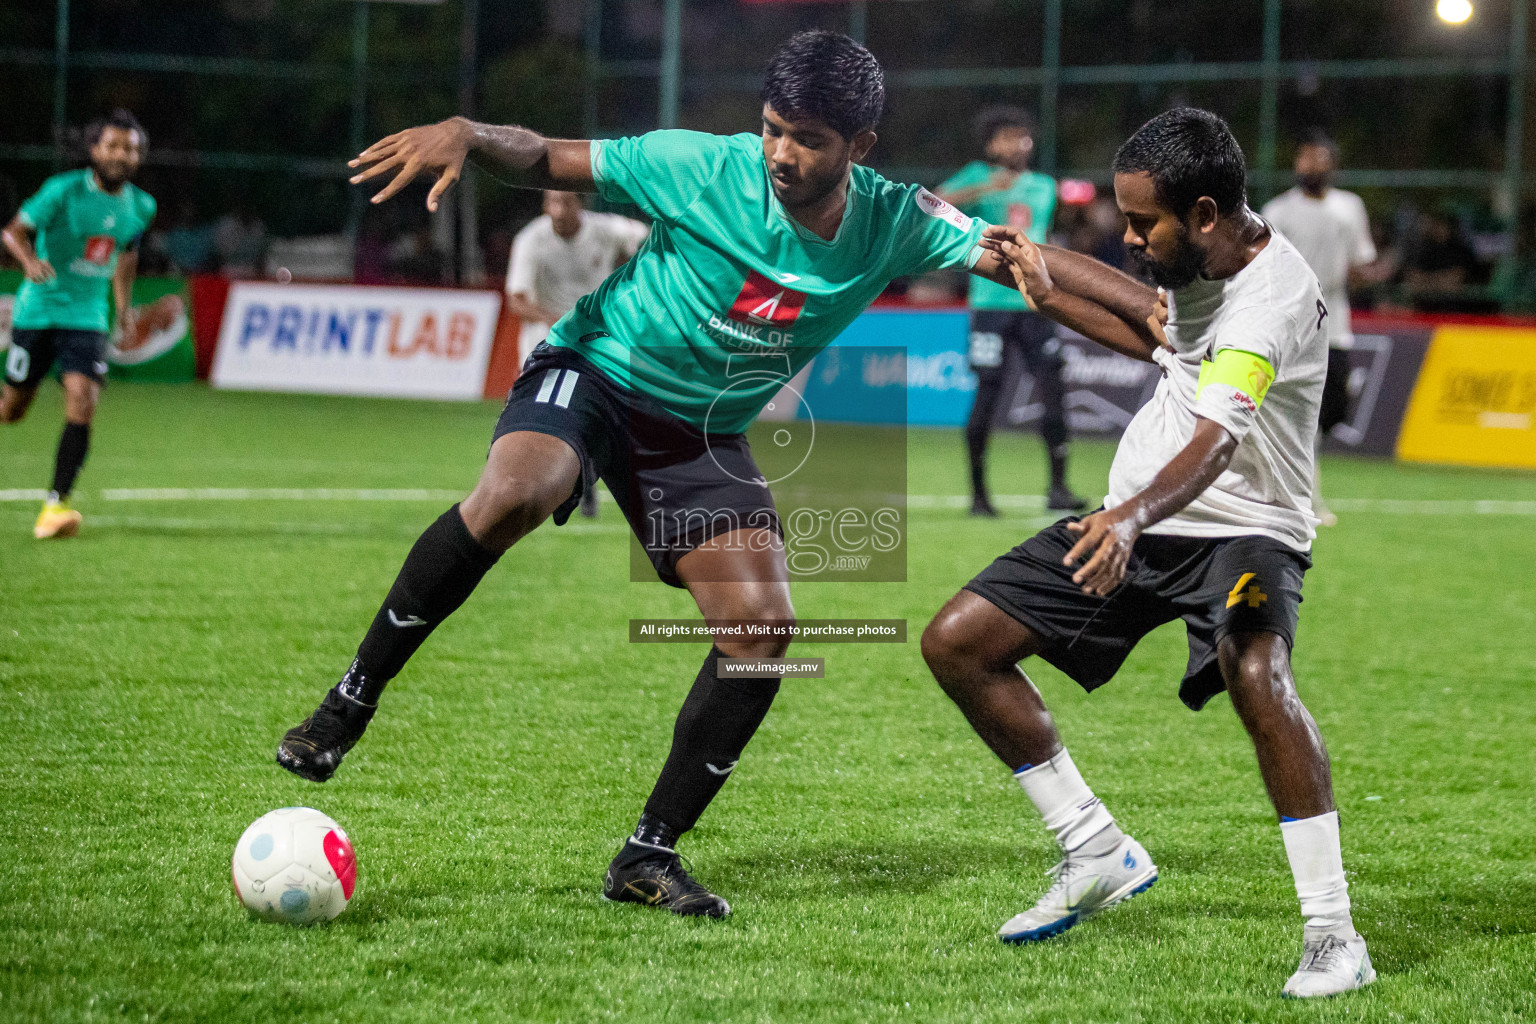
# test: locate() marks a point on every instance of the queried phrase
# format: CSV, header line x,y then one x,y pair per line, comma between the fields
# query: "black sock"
x,y
442,570
74,442
712,730
1058,465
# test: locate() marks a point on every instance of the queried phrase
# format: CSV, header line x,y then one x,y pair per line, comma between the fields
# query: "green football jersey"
x,y
729,296
80,231
1028,204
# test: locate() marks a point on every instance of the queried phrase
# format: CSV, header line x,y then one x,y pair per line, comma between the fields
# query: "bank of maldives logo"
x,y
764,301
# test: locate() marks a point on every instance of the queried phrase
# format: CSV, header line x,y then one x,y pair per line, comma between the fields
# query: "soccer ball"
x,y
295,865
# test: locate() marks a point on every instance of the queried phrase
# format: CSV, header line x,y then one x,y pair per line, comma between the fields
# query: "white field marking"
x,y
1389,506
278,494
915,502
328,529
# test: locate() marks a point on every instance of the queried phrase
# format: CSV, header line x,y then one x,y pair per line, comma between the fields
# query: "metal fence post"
x,y
1269,102
471,268
671,61
359,126
1050,84
1514,131
589,71
60,80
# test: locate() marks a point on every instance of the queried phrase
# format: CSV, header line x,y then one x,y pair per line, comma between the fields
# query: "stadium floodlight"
x,y
1454,12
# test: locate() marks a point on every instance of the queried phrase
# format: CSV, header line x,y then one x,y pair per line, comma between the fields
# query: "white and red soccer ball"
x,y
295,865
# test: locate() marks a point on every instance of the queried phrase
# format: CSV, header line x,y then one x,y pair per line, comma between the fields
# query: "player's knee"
x,y
948,648
766,647
500,511
1259,682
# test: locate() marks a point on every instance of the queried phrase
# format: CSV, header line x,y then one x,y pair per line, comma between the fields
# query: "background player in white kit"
x,y
1208,519
556,259
1330,229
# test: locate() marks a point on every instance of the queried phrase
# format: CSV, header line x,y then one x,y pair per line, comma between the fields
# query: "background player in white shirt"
x,y
1208,519
556,259
1330,228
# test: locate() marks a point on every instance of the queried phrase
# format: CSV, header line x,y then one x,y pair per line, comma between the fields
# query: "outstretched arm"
x,y
442,148
1105,539
1097,301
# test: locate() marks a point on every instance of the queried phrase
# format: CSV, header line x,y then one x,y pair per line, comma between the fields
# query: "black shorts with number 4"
x,y
34,350
1218,586
677,486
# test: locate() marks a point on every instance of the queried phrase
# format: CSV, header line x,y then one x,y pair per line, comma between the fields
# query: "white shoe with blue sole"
x,y
1084,886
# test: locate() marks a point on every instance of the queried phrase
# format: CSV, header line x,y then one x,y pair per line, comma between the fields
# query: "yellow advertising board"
x,y
1475,400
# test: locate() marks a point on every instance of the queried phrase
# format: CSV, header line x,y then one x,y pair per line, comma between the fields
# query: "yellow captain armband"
x,y
1244,372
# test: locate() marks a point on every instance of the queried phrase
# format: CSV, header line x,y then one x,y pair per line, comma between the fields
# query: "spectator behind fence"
x,y
1330,228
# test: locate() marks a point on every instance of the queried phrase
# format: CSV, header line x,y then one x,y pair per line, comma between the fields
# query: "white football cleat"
x,y
1330,964
1083,887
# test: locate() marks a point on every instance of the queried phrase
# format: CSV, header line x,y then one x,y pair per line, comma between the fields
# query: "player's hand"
x,y
127,326
39,272
1105,539
1159,319
439,149
1024,259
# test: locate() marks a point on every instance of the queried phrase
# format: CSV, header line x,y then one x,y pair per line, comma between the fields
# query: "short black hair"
x,y
1189,153
1316,138
994,119
827,76
119,118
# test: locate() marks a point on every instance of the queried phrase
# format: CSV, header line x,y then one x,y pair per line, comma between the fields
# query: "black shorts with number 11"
x,y
677,486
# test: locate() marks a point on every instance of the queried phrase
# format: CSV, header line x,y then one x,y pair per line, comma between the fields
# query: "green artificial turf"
x,y
868,842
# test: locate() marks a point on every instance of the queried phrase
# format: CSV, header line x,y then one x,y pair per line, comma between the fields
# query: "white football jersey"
x,y
554,272
1333,234
1274,309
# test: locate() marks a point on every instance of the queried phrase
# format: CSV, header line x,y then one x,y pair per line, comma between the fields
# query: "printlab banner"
x,y
349,340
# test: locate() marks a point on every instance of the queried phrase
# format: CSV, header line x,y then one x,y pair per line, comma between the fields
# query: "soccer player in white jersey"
x,y
1331,230
557,258
1208,519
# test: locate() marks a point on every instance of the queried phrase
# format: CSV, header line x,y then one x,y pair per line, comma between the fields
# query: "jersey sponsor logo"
x,y
1238,398
1021,216
99,249
762,301
1253,595
933,206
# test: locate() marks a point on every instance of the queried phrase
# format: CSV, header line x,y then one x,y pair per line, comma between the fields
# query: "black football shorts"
x,y
33,352
677,486
1217,586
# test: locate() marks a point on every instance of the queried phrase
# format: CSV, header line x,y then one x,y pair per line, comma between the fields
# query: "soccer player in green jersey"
x,y
76,238
1001,189
764,247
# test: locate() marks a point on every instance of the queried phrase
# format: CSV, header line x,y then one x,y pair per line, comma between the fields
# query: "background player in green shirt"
x,y
76,238
763,249
1001,189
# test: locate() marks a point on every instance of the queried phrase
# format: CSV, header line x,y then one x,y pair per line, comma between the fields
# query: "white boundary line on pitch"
x,y
916,502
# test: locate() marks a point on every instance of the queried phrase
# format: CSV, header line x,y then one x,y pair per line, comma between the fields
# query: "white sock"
x,y
1312,844
1068,806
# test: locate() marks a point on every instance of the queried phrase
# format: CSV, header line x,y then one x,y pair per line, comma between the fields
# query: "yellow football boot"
x,y
56,519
